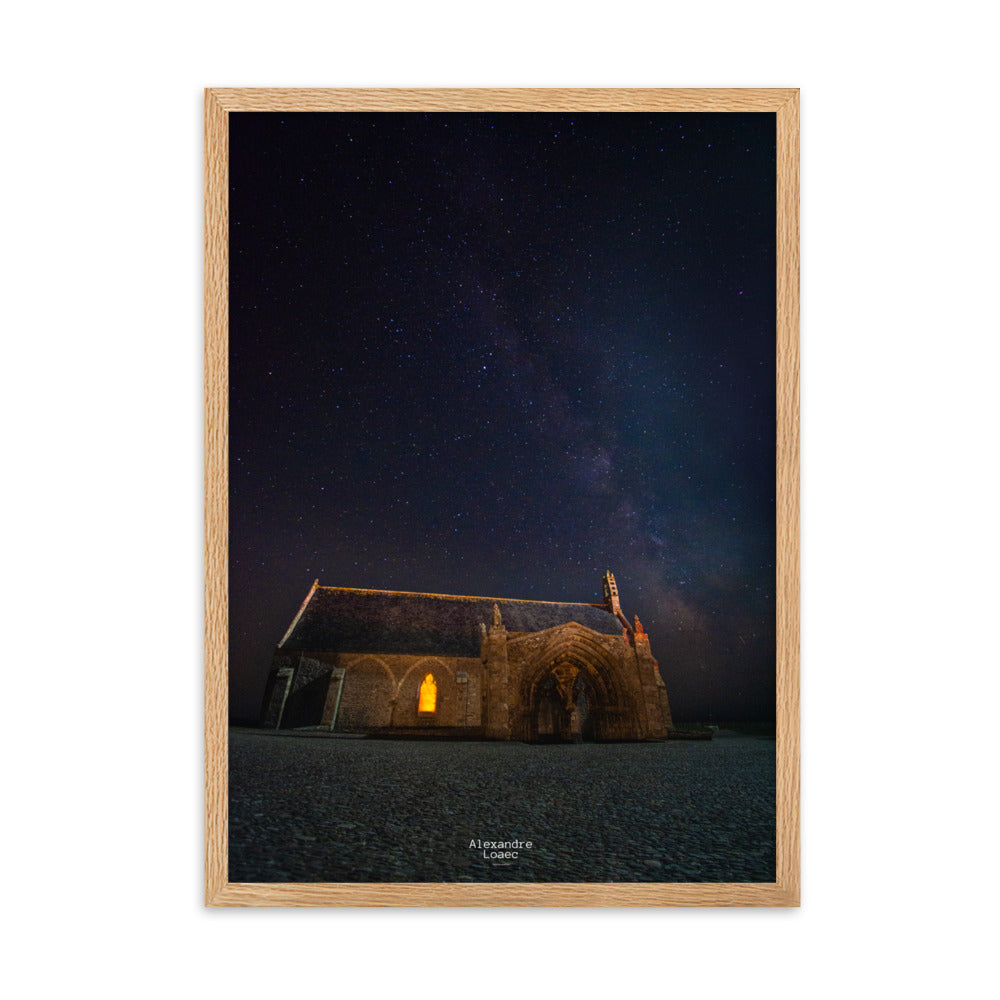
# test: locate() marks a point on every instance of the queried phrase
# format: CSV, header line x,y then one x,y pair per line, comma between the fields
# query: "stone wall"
x,y
374,692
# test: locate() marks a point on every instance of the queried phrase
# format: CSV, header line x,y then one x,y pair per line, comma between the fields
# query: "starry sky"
x,y
496,355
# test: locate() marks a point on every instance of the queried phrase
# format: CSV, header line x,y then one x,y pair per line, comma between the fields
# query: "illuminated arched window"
x,y
428,695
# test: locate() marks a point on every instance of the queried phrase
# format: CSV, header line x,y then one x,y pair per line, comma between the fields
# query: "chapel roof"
x,y
341,620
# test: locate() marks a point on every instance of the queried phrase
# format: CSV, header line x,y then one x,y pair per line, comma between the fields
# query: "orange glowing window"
x,y
428,695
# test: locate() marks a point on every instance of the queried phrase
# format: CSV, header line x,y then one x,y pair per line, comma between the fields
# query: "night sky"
x,y
496,355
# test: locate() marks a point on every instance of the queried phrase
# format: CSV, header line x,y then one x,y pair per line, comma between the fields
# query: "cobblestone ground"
x,y
341,810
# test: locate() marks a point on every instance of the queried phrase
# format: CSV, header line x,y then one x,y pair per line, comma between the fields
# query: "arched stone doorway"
x,y
575,689
562,711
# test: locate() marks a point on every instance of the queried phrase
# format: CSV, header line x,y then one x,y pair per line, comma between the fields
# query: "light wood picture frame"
x,y
219,891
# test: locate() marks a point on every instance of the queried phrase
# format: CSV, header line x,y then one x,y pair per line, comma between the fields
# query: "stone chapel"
x,y
385,663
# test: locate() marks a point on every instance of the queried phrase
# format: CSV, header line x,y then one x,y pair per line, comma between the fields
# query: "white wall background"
x,y
101,409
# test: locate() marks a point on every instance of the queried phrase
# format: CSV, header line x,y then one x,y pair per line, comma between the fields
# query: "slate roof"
x,y
336,619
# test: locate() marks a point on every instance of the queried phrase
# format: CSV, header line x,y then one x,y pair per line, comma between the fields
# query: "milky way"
x,y
498,354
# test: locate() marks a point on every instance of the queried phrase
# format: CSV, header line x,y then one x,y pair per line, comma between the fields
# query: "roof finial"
x,y
496,615
611,593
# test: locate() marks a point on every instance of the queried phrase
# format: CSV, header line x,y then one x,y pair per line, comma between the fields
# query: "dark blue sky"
x,y
498,354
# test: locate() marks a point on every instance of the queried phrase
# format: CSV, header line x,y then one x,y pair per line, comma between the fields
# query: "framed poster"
x,y
501,542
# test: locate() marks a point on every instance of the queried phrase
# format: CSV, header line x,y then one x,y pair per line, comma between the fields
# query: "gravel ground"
x,y
334,810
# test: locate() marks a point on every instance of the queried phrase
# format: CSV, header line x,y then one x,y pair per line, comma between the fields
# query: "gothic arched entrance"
x,y
562,710
576,689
